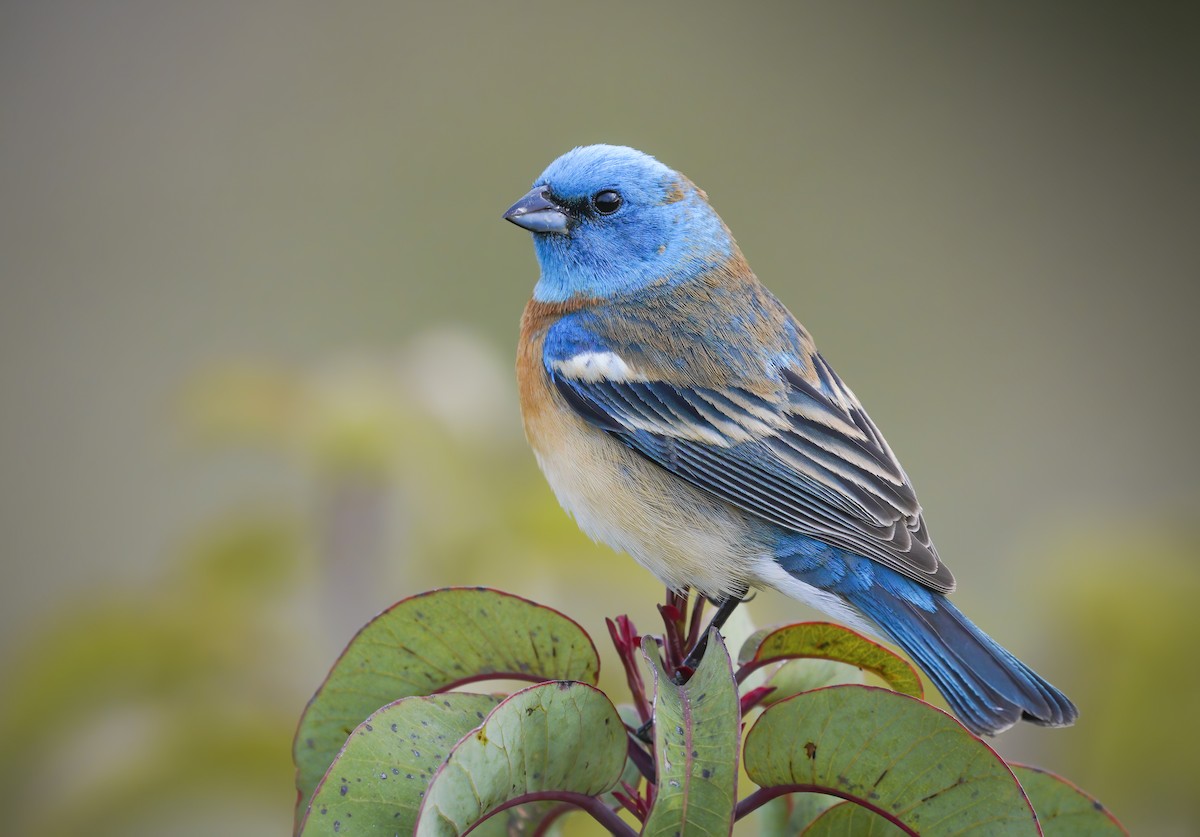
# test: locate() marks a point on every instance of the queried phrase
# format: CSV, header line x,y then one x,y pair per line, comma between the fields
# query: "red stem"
x,y
674,614
625,639
697,620
640,758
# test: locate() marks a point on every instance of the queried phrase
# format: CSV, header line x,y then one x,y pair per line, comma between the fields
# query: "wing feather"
x,y
811,461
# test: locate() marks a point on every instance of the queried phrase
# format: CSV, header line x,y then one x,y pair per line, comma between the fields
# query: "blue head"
x,y
608,220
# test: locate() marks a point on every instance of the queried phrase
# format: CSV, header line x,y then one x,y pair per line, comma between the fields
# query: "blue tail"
x,y
987,687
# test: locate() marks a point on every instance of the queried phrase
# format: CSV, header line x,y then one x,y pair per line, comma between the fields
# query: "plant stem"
x,y
625,640
695,626
641,759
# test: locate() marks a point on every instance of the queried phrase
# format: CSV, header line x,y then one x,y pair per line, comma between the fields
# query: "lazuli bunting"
x,y
681,414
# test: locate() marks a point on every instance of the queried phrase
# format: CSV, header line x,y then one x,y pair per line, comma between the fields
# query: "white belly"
x,y
686,538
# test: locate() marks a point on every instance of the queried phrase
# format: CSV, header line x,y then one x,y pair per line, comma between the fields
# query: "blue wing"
x,y
803,456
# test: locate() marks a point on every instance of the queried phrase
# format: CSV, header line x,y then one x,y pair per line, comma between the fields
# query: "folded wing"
x,y
809,459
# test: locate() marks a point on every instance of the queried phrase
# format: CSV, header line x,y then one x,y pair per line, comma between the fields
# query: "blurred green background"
x,y
259,310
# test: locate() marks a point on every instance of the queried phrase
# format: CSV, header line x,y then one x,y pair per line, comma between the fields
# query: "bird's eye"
x,y
607,202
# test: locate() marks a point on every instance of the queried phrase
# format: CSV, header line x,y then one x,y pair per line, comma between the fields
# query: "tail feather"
x,y
987,687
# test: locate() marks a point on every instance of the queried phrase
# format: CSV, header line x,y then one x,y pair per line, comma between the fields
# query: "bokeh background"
x,y
259,311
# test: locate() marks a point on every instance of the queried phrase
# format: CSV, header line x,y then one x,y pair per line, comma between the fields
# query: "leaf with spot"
x,y
827,641
431,643
696,731
559,741
377,781
848,818
1063,809
900,757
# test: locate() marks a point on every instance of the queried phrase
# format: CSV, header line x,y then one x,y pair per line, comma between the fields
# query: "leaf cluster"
x,y
392,743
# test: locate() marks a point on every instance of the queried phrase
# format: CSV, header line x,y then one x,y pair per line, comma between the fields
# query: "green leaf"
x,y
848,818
796,676
1063,809
892,753
559,740
377,781
696,731
430,643
827,641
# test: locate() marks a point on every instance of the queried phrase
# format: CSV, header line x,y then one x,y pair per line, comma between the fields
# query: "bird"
x,y
681,414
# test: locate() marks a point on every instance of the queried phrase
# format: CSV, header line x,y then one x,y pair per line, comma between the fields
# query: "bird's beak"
x,y
537,213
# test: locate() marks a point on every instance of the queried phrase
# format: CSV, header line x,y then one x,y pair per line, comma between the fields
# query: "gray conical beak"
x,y
538,213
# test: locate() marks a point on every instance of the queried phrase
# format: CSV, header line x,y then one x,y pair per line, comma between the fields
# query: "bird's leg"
x,y
725,609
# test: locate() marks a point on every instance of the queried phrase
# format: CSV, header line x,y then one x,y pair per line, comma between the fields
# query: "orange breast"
x,y
537,396
683,536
